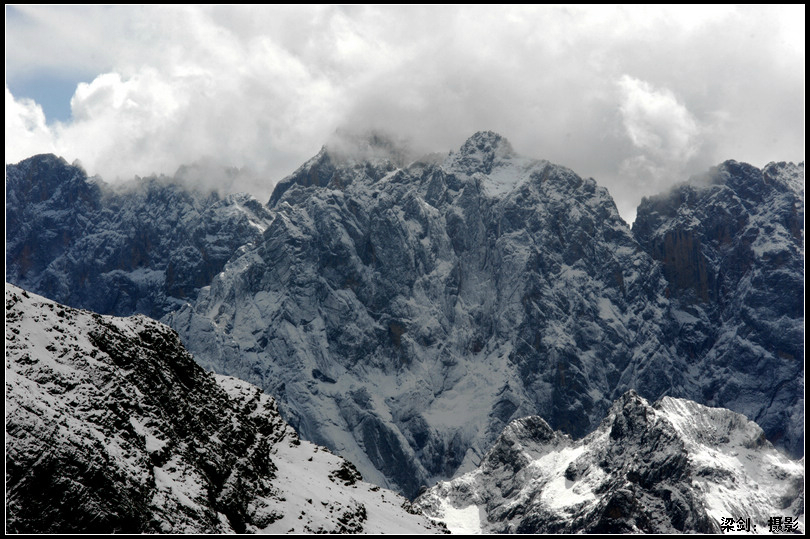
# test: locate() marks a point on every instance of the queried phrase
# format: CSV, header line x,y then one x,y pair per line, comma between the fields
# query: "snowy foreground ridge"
x,y
112,427
403,311
675,466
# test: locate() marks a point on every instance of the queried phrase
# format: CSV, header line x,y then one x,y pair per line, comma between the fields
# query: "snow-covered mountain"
x,y
144,247
112,427
671,467
404,312
731,245
403,316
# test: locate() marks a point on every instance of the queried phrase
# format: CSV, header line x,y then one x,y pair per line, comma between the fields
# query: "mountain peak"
x,y
676,466
347,157
481,150
742,179
487,143
48,158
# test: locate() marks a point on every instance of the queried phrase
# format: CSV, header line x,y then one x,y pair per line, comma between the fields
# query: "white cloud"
x,y
265,87
26,131
656,122
665,135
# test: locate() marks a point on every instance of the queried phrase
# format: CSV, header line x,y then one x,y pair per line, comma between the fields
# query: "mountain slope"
x,y
672,467
403,316
145,247
731,245
112,427
403,313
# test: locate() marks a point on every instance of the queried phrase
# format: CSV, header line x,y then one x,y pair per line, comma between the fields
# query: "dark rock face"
x,y
111,427
405,314
369,157
436,303
731,249
656,494
672,467
145,248
84,433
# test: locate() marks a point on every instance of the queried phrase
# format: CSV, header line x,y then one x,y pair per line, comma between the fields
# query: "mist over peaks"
x,y
370,145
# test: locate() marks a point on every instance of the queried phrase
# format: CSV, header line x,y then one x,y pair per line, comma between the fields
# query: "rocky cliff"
x,y
405,311
404,316
731,246
112,427
671,467
143,247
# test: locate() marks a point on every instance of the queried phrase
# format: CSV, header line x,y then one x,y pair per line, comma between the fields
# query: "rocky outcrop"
x,y
112,427
404,312
673,467
731,244
146,247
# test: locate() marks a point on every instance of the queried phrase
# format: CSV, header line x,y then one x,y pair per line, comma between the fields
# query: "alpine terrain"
x,y
731,246
404,311
144,247
112,427
671,467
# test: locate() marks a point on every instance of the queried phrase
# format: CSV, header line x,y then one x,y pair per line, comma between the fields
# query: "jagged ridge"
x,y
404,314
112,427
731,245
145,247
673,467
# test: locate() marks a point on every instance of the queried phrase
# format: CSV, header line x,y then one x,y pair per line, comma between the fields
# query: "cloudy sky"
x,y
635,97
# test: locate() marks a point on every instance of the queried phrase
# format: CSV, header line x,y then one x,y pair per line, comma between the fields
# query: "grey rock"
x,y
459,296
731,245
672,467
404,312
112,427
145,247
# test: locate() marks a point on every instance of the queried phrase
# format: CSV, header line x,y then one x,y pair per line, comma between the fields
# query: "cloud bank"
x,y
635,97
